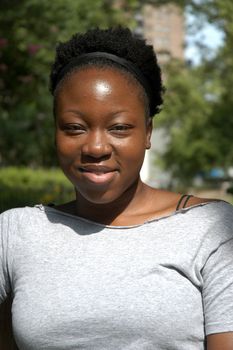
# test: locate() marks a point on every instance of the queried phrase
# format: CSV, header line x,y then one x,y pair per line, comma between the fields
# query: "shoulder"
x,y
11,214
188,201
216,209
208,213
17,216
172,201
211,221
164,203
193,200
16,212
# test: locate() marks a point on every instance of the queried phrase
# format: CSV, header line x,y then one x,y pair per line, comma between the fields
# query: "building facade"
x,y
164,28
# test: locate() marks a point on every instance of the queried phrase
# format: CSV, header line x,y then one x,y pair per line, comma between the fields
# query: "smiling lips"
x,y
98,174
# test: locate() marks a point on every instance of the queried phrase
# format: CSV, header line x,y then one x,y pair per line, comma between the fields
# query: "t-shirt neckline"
x,y
47,208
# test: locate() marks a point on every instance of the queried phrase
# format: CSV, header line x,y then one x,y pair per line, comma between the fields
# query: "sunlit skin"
x,y
101,136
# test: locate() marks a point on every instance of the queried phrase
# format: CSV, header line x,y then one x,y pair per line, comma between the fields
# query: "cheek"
x,y
67,148
132,152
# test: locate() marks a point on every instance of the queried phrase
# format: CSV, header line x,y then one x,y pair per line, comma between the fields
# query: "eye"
x,y
74,129
121,129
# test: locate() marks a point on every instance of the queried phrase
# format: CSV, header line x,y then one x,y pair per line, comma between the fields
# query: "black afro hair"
x,y
118,41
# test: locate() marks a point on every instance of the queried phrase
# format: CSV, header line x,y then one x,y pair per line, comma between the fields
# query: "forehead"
x,y
103,72
101,91
94,83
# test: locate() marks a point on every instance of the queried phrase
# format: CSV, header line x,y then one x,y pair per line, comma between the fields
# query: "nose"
x,y
96,145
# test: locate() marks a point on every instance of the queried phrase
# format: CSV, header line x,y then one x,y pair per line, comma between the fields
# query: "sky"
x,y
209,35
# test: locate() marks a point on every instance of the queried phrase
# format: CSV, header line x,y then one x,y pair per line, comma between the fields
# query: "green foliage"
x,y
184,116
199,104
196,117
230,190
23,186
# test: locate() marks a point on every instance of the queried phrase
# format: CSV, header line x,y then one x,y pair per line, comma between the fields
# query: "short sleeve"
x,y
218,282
4,257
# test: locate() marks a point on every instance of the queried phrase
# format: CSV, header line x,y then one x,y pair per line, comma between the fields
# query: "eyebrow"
x,y
77,112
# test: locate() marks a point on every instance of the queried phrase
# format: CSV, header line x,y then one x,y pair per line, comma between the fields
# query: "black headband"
x,y
76,61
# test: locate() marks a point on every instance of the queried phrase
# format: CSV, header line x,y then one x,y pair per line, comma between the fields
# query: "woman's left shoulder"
x,y
213,213
217,208
176,201
213,219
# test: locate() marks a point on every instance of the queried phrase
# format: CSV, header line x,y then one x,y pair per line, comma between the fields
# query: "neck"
x,y
107,213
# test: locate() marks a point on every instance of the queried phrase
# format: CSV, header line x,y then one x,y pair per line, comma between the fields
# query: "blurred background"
x,y
192,139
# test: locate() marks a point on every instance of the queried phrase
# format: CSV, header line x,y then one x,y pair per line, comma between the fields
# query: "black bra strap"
x,y
186,197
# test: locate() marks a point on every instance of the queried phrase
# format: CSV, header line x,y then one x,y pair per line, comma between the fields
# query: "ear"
x,y
149,128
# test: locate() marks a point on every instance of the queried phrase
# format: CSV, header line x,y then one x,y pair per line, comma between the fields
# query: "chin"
x,y
107,195
98,198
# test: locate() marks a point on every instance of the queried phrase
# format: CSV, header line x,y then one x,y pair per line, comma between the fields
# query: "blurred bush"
x,y
230,189
24,186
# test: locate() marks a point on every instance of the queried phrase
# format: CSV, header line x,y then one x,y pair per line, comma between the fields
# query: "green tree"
x,y
185,117
199,103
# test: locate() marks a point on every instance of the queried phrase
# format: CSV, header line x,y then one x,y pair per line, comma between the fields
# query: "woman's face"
x,y
101,133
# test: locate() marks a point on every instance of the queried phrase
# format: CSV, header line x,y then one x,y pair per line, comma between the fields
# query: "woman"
x,y
124,266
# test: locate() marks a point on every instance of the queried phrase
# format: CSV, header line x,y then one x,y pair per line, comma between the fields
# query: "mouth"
x,y
98,174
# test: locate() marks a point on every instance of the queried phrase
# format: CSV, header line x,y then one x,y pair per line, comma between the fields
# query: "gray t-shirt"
x,y
77,284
